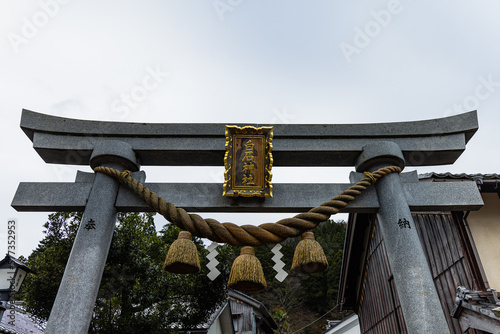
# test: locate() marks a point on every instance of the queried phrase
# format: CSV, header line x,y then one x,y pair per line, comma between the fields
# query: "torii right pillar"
x,y
418,296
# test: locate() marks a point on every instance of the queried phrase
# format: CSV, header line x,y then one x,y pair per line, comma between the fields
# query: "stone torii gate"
x,y
129,145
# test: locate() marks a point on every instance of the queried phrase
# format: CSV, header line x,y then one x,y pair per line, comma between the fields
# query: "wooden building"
x,y
241,314
219,322
249,315
349,325
461,249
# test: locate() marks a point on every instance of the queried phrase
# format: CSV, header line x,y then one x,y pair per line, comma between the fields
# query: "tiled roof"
x,y
485,182
19,322
493,176
477,309
8,259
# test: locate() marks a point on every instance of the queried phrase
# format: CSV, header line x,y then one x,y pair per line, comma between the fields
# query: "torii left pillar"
x,y
74,304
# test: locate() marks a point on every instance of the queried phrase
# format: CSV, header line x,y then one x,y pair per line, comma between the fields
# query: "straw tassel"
x,y
309,256
246,272
182,256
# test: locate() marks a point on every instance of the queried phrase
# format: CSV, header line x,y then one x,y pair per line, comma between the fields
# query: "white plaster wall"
x,y
485,229
215,328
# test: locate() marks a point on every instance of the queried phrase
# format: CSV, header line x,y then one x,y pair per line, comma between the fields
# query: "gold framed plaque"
x,y
248,161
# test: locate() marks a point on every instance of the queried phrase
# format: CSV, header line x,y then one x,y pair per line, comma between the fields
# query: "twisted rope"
x,y
248,235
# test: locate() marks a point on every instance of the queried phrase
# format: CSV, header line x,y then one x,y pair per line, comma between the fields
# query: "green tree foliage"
x,y
321,289
136,295
49,261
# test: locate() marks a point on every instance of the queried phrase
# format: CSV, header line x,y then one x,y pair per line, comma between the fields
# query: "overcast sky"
x,y
242,61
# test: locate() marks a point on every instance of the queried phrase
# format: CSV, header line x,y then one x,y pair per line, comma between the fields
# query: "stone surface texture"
x,y
74,304
417,293
129,145
71,141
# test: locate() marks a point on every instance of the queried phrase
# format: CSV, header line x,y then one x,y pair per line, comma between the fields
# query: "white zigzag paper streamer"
x,y
212,264
281,275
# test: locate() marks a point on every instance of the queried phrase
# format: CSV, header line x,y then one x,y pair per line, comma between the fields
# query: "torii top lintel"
x,y
71,141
